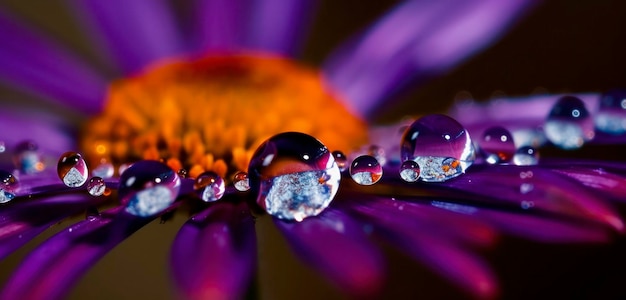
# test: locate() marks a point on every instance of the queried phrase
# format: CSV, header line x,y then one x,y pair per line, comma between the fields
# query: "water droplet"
x,y
72,169
104,170
497,145
210,186
27,158
440,146
2,147
92,213
9,186
182,173
526,156
96,186
365,170
611,116
295,176
122,168
241,181
410,171
148,187
341,160
569,124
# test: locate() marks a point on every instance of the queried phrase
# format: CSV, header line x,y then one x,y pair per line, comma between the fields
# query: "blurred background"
x,y
559,47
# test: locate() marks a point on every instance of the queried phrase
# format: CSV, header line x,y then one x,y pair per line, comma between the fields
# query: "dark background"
x,y
561,46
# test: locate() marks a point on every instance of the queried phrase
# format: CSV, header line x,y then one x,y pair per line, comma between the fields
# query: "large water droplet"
x,y
341,160
526,156
72,169
148,187
611,116
27,158
96,186
241,181
569,124
210,186
497,145
295,176
439,145
409,171
8,186
366,170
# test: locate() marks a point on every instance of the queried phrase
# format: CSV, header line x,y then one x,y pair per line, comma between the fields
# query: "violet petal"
x,y
135,33
30,61
219,24
50,270
214,253
337,247
417,38
49,133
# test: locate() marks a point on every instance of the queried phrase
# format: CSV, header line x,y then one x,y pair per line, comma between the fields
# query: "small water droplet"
x,y
497,145
92,214
104,170
341,160
295,176
527,204
525,188
148,187
182,173
9,186
526,156
569,124
96,186
440,145
611,115
72,169
526,174
27,158
410,171
365,170
2,147
241,181
210,186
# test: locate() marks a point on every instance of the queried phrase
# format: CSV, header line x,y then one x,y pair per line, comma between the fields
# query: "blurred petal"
x,y
214,253
54,267
48,132
219,24
31,62
337,247
136,33
279,26
415,40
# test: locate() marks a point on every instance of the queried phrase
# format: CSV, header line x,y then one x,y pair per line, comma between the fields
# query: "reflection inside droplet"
x,y
9,186
72,169
366,170
569,124
148,187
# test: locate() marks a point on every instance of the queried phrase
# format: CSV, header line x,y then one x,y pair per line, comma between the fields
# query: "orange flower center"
x,y
212,113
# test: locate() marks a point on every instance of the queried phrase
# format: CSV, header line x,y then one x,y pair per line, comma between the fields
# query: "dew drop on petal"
x,y
439,145
182,173
410,171
611,115
497,145
569,124
241,181
295,176
210,186
103,170
96,186
2,147
366,170
72,169
526,156
9,186
27,158
341,160
148,187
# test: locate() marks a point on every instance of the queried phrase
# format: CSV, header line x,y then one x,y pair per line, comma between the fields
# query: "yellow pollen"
x,y
212,113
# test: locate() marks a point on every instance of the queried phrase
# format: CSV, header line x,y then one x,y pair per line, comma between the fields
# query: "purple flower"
x,y
470,195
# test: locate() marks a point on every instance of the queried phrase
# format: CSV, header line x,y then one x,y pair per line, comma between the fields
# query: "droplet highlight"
x,y
241,181
611,115
439,145
497,145
569,124
9,186
366,170
341,160
210,186
409,171
295,176
72,169
96,186
526,156
148,187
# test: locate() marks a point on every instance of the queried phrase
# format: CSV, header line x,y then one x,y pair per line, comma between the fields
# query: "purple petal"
x,y
600,180
53,268
135,33
534,188
336,246
444,256
417,38
214,253
278,26
219,24
29,61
